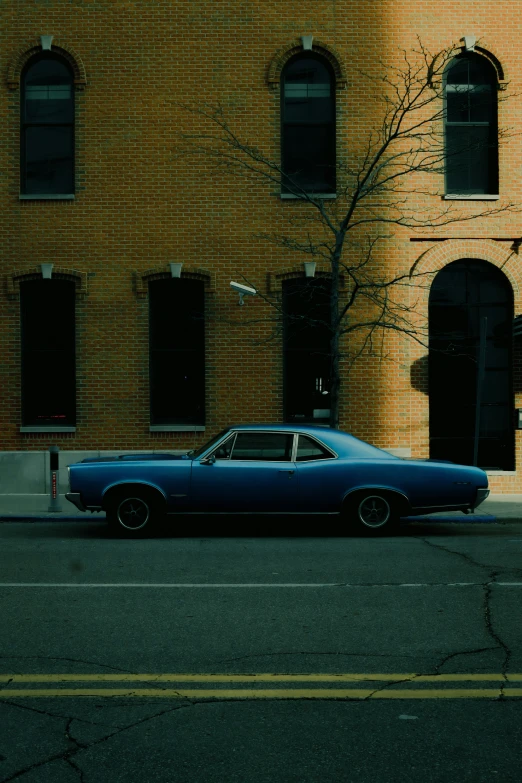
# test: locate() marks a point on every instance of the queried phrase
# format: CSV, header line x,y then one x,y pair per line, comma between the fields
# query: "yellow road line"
x,y
261,693
266,677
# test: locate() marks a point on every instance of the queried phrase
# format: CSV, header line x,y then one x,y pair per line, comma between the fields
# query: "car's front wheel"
x,y
373,512
132,512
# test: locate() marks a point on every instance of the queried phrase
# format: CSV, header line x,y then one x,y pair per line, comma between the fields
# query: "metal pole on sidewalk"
x,y
54,504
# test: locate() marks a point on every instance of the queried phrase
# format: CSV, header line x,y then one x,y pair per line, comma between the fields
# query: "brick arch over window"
x,y
443,253
495,62
142,279
59,47
286,53
58,273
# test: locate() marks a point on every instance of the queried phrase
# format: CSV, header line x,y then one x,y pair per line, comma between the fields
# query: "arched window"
x,y
306,346
177,352
47,132
308,125
471,299
471,126
47,309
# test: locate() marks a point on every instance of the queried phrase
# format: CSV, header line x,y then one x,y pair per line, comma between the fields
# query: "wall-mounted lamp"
x,y
47,271
309,268
243,290
175,269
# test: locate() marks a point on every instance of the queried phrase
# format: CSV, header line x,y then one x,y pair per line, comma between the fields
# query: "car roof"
x,y
341,442
288,426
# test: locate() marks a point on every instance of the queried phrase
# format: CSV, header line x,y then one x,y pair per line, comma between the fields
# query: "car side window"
x,y
225,449
309,449
263,446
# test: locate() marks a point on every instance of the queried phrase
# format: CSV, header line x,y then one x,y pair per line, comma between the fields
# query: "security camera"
x,y
243,290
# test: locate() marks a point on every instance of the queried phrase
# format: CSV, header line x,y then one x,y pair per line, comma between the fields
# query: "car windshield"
x,y
195,453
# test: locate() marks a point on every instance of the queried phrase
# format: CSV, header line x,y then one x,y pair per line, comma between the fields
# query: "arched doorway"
x,y
463,294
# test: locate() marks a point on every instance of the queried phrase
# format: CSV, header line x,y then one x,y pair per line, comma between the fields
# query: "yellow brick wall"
x,y
139,205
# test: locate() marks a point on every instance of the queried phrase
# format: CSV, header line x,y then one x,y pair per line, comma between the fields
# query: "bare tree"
x,y
390,178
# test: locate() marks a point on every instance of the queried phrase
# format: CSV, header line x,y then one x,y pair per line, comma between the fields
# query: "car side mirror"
x,y
209,460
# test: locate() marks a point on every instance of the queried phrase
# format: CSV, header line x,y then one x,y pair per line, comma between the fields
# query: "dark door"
x,y
462,295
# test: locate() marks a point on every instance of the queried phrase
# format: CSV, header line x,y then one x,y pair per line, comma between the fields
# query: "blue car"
x,y
274,469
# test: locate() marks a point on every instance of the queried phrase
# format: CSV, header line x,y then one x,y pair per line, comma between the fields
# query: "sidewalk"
x,y
501,509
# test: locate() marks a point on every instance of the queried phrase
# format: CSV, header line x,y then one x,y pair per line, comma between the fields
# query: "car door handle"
x,y
290,472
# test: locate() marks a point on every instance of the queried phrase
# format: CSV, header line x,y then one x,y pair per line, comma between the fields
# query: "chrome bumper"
x,y
76,499
481,496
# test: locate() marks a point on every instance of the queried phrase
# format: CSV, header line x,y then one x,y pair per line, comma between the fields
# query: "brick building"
x,y
119,328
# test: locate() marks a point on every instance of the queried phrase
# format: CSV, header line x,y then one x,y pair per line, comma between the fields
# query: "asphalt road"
x,y
341,659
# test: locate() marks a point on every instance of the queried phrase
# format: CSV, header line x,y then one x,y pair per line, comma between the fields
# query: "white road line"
x,y
240,585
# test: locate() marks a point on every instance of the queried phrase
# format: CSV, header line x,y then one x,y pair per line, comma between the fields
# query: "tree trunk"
x,y
335,379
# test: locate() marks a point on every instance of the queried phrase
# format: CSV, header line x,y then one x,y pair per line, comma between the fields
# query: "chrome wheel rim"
x,y
374,511
133,513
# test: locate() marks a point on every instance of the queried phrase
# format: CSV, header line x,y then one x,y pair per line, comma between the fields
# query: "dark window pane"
x,y
47,71
469,159
471,127
309,156
47,134
48,352
307,93
306,307
177,387
264,446
49,162
309,449
308,125
458,72
177,351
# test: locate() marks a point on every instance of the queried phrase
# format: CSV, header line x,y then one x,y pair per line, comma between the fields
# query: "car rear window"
x,y
310,449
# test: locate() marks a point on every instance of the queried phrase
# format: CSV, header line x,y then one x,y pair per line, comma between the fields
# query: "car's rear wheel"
x,y
133,512
373,513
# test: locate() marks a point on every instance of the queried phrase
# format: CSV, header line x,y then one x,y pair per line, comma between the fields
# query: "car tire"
x,y
133,513
373,513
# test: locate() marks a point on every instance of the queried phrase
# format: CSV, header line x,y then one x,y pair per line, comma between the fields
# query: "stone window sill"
x,y
501,472
323,196
470,197
46,196
177,428
47,428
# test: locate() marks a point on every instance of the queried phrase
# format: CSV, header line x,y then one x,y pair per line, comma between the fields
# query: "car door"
x,y
253,471
322,477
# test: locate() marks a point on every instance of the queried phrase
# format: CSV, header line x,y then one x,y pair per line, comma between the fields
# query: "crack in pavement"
x,y
68,755
55,714
487,586
316,653
494,635
438,666
66,660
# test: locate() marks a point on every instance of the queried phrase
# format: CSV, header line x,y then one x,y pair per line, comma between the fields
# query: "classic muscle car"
x,y
274,468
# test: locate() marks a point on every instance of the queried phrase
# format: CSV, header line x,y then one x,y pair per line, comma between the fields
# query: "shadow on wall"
x,y
419,374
